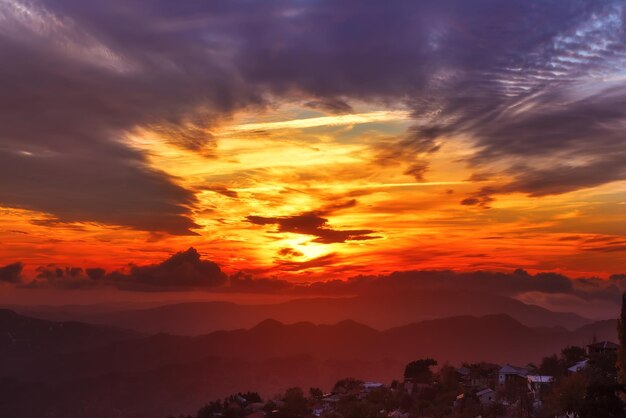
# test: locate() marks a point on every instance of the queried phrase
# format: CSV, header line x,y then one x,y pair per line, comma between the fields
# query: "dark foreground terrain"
x,y
70,369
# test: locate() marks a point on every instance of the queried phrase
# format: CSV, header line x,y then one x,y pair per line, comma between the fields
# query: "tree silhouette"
x,y
419,370
621,330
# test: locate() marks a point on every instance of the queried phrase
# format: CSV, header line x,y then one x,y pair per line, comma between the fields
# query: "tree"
x,y
552,366
347,385
213,407
295,403
621,355
573,354
315,393
602,401
448,377
419,370
568,394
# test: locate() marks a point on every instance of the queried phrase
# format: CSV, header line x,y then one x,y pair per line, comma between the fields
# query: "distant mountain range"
x,y
24,339
380,311
105,371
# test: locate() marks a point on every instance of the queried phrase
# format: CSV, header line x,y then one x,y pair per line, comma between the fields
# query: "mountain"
x,y
380,311
24,339
494,338
130,376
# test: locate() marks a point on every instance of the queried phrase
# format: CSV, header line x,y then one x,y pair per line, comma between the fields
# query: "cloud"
x,y
317,262
289,252
81,79
95,273
311,223
11,273
535,86
187,270
331,105
224,191
512,284
182,271
58,277
244,283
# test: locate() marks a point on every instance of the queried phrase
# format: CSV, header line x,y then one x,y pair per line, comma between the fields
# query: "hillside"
x,y
95,374
379,311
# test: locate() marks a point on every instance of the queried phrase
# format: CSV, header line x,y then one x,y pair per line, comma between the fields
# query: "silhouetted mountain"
x,y
496,338
380,311
162,373
28,339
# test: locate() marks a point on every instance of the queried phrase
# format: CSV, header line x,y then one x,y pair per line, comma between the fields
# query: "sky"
x,y
305,141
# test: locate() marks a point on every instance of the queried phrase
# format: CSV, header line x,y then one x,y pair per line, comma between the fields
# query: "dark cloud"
x,y
80,79
182,271
512,284
321,261
289,252
417,170
331,105
11,273
67,278
481,198
311,223
411,151
245,283
519,78
54,272
95,273
223,190
185,269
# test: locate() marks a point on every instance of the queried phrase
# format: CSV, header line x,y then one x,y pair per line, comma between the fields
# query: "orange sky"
x,y
289,160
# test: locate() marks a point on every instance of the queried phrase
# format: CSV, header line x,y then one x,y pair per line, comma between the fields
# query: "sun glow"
x,y
328,167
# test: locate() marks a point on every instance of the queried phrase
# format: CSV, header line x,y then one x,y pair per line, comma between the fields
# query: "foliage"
x,y
602,401
573,354
593,392
568,395
316,393
448,378
552,366
621,329
347,385
295,403
419,370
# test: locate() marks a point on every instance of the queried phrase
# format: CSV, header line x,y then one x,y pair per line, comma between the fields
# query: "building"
x,y
578,366
602,347
486,396
508,374
369,386
538,384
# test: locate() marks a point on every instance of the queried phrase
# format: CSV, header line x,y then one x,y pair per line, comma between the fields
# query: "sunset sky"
x,y
312,140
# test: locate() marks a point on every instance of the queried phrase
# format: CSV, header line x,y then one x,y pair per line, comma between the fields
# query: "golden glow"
x,y
299,163
354,119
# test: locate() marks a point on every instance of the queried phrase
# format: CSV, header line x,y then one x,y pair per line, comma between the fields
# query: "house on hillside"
x,y
478,376
399,414
486,396
602,347
538,384
578,366
370,386
463,372
512,374
367,388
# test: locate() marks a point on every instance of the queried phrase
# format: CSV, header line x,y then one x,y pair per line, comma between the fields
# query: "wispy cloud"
x,y
338,120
